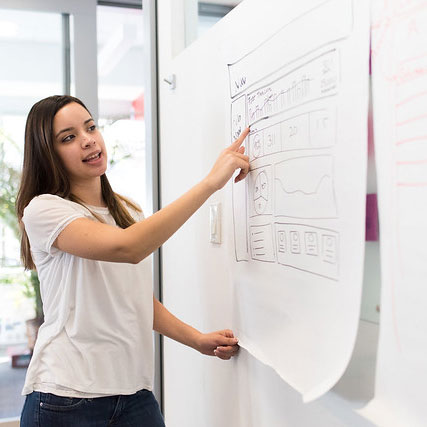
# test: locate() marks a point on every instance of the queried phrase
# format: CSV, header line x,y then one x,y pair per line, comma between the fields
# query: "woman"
x,y
93,360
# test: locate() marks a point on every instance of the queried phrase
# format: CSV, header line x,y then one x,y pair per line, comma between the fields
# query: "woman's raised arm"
x,y
93,240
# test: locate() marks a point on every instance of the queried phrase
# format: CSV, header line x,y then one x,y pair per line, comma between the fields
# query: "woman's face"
x,y
78,143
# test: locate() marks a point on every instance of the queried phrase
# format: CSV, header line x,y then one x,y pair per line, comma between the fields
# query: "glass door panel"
x,y
32,67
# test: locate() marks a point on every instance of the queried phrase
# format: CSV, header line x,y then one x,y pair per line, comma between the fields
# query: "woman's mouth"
x,y
92,158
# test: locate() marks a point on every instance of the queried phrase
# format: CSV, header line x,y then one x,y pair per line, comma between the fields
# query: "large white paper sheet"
x,y
299,217
399,73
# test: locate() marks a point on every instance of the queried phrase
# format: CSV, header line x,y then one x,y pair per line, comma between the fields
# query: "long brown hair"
x,y
43,172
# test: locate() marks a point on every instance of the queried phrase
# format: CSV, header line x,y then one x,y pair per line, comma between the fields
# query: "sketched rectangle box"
x,y
311,249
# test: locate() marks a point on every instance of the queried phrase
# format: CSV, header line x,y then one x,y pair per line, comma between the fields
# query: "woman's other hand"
x,y
230,159
222,344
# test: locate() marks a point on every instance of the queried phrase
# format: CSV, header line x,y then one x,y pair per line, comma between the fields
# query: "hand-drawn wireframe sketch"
x,y
304,187
290,113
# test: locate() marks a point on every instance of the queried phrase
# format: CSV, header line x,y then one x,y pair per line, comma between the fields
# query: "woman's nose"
x,y
88,141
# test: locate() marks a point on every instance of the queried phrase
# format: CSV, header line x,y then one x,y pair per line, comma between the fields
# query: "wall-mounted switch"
x,y
215,223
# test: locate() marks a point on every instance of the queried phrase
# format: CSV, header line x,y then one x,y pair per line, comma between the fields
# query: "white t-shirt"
x,y
96,339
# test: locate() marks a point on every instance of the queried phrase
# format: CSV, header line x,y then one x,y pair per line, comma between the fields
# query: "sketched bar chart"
x,y
313,80
307,248
304,187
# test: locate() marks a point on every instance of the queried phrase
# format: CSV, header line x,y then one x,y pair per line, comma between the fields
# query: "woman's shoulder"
x,y
48,202
47,197
51,199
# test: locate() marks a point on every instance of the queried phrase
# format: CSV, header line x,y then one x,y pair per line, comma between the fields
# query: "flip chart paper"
x,y
399,72
299,217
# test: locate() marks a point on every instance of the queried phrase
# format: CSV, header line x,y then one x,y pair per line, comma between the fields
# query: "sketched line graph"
x,y
304,192
304,187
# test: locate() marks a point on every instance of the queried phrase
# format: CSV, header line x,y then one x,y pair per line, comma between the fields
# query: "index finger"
x,y
238,142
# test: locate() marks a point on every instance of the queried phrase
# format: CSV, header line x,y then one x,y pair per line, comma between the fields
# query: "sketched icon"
x,y
257,146
261,192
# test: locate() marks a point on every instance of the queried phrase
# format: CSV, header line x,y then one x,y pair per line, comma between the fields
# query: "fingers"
x,y
226,338
227,333
244,167
242,175
243,172
229,341
238,142
226,344
243,164
241,155
226,352
230,160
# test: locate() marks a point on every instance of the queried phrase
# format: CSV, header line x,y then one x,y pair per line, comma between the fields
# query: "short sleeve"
x,y
45,217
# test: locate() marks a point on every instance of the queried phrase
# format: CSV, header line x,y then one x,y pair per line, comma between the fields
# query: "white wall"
x,y
203,391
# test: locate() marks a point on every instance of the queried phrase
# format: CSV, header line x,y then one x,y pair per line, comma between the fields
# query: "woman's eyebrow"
x,y
71,128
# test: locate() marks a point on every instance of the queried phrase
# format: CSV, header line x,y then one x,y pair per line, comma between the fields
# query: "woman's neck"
x,y
89,193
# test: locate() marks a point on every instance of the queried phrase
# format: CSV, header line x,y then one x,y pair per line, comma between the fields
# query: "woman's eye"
x,y
92,128
68,138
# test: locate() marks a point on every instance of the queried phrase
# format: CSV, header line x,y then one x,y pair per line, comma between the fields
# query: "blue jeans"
x,y
48,410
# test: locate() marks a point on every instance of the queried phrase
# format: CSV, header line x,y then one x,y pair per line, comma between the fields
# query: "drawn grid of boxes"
x,y
294,177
